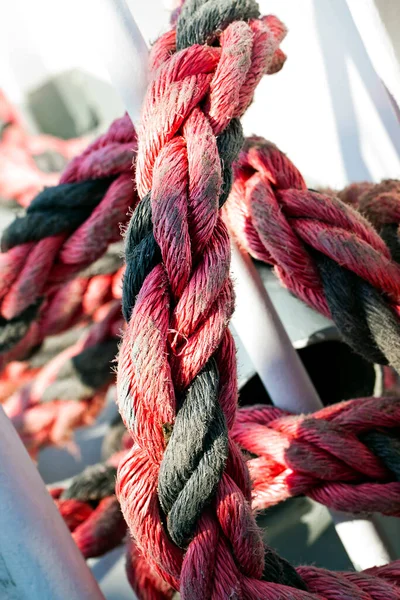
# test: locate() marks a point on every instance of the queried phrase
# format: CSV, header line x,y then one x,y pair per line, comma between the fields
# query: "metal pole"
x,y
266,341
255,319
38,557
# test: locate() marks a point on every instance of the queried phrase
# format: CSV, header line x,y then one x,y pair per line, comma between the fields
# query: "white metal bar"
x,y
378,42
255,319
266,341
38,557
366,544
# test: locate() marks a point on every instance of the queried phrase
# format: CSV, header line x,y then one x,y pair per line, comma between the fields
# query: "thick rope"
x,y
66,228
88,505
205,383
380,204
91,510
69,391
322,250
345,456
76,303
194,473
181,313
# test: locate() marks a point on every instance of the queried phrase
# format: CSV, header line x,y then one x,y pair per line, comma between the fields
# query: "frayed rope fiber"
x,y
78,302
345,456
91,510
70,390
183,487
322,250
66,228
295,455
300,257
380,204
179,175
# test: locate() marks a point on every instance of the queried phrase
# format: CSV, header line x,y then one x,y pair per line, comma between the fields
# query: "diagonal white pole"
x,y
38,557
258,327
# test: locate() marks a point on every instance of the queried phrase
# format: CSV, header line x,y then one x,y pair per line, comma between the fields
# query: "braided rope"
x,y
345,456
322,250
184,471
177,327
91,510
100,529
380,204
70,390
76,303
199,382
66,228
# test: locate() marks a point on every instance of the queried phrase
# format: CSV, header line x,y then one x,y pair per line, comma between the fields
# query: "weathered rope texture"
x,y
346,456
66,228
322,250
178,324
91,513
380,204
78,302
91,510
183,487
70,390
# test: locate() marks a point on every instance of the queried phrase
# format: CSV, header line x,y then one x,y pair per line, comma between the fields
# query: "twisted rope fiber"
x,y
88,504
70,390
380,204
66,228
323,251
194,247
16,374
91,510
192,482
346,456
75,303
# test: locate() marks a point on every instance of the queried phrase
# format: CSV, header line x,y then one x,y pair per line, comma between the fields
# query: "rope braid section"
x,y
204,540
380,204
91,510
70,390
92,514
88,504
66,228
323,250
345,456
75,303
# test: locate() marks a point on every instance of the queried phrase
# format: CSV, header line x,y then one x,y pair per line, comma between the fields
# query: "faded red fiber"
x,y
322,455
32,270
52,405
276,218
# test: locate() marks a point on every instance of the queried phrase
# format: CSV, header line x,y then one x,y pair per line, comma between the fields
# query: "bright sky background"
x,y
327,108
